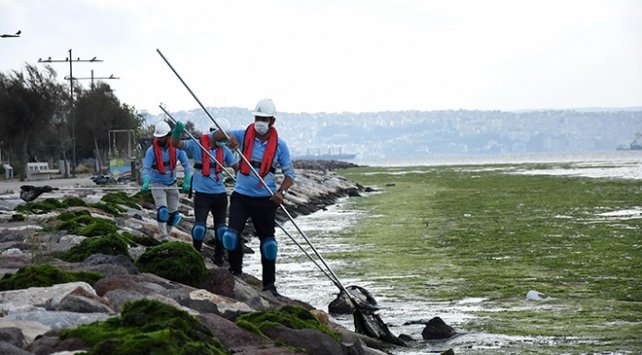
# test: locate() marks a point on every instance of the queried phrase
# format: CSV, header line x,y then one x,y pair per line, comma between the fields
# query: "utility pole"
x,y
71,100
92,78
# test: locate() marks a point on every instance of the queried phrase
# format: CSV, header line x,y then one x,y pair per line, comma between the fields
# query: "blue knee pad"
x,y
220,232
198,231
162,214
231,239
269,249
174,218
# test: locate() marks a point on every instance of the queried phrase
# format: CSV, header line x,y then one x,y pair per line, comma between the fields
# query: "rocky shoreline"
x,y
37,320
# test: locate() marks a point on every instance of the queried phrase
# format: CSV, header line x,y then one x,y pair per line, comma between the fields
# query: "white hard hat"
x,y
162,129
265,108
223,123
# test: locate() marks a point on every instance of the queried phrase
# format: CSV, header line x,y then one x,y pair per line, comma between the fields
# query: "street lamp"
x,y
71,99
16,35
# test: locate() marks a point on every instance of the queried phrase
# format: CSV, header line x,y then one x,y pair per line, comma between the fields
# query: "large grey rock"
x,y
30,329
52,344
10,349
111,260
231,335
13,336
79,304
34,297
57,320
313,341
436,328
225,306
118,297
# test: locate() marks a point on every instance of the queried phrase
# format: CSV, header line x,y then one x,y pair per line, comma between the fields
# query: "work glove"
x,y
187,183
145,186
178,130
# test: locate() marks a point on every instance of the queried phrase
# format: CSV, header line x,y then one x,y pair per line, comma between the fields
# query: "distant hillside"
x,y
418,134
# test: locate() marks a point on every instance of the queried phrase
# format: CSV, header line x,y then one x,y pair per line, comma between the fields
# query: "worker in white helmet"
x,y
159,171
208,183
266,151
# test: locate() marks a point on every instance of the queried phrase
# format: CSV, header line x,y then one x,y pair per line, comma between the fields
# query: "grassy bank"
x,y
448,233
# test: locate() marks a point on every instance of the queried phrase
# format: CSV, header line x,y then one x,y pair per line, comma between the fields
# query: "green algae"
x,y
148,327
176,261
82,223
111,203
448,233
139,239
17,217
42,275
120,198
289,316
110,244
44,206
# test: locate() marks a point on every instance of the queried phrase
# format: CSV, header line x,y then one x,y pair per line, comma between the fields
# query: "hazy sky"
x,y
343,55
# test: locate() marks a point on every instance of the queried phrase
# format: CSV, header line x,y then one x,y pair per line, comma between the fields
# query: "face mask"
x,y
261,127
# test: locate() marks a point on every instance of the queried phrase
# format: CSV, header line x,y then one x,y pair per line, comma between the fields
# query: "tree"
x,y
98,110
29,101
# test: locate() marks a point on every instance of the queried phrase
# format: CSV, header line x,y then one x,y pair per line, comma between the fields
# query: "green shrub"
x,y
176,261
110,244
42,275
148,327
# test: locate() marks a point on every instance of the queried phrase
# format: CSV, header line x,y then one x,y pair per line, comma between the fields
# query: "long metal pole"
x,y
258,176
73,123
234,178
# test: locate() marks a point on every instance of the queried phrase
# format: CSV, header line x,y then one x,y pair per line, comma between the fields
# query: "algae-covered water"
x,y
467,243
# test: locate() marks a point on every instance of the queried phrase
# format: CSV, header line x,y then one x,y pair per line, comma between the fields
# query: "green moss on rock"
x,y
110,244
142,239
66,216
174,261
289,316
82,223
44,206
121,198
17,217
43,275
148,327
111,209
73,202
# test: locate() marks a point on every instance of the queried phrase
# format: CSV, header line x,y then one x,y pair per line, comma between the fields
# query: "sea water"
x,y
301,279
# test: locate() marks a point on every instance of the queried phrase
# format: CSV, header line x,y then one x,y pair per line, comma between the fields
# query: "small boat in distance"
x,y
635,145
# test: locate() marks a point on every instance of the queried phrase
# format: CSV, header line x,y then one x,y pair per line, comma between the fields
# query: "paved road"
x,y
13,186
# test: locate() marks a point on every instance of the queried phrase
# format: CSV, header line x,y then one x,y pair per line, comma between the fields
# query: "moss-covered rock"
x,y
43,275
144,197
289,316
141,239
176,261
17,217
110,244
82,223
73,202
66,216
44,206
121,198
148,327
114,210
